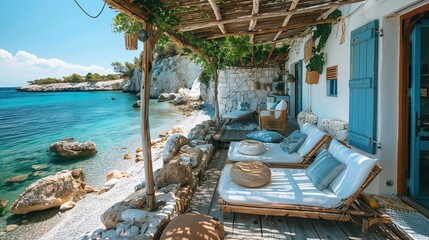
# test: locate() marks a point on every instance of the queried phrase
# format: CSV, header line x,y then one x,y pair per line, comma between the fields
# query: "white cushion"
x,y
251,147
236,114
281,106
354,175
287,186
314,136
273,154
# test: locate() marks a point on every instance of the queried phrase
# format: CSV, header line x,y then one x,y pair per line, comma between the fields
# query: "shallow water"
x,y
30,122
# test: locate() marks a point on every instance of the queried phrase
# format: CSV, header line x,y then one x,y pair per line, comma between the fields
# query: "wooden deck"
x,y
246,227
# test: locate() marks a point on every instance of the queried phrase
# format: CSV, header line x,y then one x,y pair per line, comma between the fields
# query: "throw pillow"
x,y
243,106
281,106
265,136
293,142
273,107
324,169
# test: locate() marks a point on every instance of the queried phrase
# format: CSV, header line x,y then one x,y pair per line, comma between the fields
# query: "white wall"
x,y
336,54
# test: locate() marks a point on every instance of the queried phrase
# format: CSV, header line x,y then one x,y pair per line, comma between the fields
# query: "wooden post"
x,y
215,100
144,111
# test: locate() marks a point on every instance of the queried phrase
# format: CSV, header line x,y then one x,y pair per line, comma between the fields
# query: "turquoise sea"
x,y
30,122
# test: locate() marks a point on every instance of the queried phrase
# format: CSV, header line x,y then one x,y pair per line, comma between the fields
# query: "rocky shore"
x,y
84,220
113,85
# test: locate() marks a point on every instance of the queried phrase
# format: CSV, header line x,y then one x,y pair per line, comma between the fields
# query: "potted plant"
x,y
315,68
130,27
280,87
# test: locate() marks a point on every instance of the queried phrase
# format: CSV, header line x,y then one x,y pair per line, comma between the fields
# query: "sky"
x,y
54,38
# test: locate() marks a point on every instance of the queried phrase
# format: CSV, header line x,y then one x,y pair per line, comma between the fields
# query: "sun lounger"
x,y
242,112
292,193
275,156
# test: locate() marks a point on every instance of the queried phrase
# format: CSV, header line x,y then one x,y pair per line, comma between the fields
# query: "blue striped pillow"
x,y
324,169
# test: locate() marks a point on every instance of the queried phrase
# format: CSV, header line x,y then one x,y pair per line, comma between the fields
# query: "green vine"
x,y
321,32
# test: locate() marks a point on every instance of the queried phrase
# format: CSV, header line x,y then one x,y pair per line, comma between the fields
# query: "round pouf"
x,y
251,147
250,174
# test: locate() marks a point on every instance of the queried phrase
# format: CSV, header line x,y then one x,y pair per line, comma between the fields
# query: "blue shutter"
x,y
363,87
299,87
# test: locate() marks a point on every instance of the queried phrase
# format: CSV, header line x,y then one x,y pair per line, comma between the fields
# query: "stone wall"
x,y
235,84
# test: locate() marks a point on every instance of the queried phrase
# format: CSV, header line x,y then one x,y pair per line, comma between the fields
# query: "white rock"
x,y
67,205
111,183
135,215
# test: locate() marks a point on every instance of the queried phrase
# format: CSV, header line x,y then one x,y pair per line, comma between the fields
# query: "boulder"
x,y
19,178
73,149
39,167
194,94
51,191
112,216
180,99
116,174
89,189
193,157
137,104
163,97
172,146
134,82
173,172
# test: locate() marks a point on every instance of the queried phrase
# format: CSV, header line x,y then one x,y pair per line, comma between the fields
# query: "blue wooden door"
x,y
363,87
419,144
299,88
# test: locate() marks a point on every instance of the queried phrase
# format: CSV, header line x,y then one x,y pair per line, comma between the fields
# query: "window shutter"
x,y
363,87
332,73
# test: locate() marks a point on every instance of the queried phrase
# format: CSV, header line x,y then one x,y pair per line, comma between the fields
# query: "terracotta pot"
x,y
312,77
131,41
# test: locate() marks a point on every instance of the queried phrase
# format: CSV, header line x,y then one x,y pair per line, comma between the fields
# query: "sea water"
x,y
30,122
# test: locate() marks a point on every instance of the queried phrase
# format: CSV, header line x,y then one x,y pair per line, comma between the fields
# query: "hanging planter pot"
x,y
255,86
312,77
131,41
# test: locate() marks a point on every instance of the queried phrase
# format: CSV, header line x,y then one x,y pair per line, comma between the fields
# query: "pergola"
x,y
265,21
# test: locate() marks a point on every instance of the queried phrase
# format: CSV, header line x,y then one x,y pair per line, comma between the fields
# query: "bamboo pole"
x,y
144,111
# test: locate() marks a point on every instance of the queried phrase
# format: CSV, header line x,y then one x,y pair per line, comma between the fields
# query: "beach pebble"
x,y
39,167
19,178
139,159
110,184
90,189
40,173
116,174
139,150
127,156
67,205
11,227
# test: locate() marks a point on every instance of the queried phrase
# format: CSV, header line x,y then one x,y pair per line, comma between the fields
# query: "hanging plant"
x,y
321,32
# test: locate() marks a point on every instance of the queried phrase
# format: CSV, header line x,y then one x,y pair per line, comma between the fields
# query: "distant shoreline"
x,y
113,85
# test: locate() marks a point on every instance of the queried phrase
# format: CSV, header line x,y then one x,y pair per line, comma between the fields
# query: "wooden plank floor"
x,y
246,226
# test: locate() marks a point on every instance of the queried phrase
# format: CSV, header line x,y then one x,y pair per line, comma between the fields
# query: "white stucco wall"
x,y
388,75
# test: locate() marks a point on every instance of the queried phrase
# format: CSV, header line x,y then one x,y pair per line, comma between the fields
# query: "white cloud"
x,y
17,70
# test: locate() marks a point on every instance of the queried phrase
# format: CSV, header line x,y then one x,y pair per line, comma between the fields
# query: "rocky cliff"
x,y
66,87
168,75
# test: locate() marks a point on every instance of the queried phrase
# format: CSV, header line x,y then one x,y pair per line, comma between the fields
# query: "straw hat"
x,y
250,174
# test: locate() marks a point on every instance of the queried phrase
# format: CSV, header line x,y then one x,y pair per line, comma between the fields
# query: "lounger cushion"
x,y
250,174
314,136
287,186
237,114
193,226
324,169
265,136
358,167
273,154
251,147
293,142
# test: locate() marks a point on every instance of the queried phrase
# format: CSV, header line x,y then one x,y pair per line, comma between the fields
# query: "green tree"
x,y
74,78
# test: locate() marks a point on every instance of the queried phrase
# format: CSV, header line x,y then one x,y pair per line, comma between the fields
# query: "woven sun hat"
x,y
250,174
251,147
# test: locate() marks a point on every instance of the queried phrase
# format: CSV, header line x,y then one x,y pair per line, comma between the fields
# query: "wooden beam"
x,y
129,9
277,41
326,14
252,24
155,37
187,45
292,7
196,26
272,30
217,14
271,52
144,111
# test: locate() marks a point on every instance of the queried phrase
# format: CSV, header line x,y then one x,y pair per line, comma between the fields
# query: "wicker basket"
x,y
308,47
131,41
312,77
255,86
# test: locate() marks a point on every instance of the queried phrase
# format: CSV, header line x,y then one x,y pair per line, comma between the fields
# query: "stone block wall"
x,y
235,84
